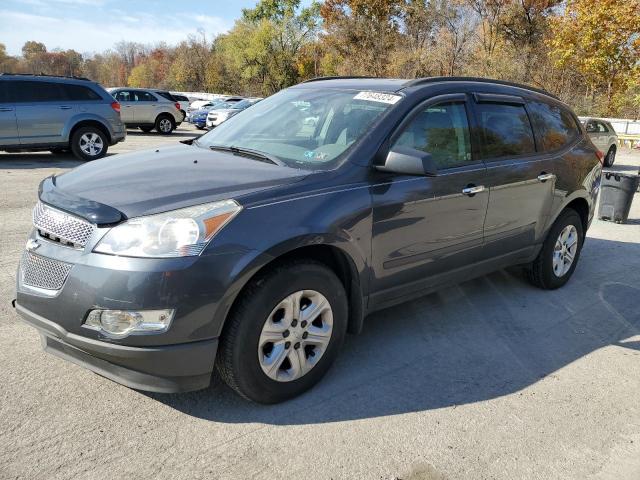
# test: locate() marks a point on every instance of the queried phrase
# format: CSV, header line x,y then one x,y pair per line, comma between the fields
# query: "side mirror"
x,y
409,161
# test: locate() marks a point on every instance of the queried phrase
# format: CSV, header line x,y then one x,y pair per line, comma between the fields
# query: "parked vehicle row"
x,y
203,104
198,116
255,248
225,111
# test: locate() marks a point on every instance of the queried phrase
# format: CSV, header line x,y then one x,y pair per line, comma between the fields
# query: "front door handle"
x,y
6,109
543,177
65,107
471,190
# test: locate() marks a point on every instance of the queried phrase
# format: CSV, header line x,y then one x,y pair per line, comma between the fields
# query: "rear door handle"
x,y
65,107
6,109
543,177
471,190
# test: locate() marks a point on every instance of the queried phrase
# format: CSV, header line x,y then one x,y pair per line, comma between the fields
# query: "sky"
x,y
90,26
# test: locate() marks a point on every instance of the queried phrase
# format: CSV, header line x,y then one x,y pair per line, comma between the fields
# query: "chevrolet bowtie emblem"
x,y
32,244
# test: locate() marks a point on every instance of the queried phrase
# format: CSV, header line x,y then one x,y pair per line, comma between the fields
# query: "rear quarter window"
x,y
554,124
505,130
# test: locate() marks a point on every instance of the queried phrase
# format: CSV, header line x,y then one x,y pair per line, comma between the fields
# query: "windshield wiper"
x,y
249,153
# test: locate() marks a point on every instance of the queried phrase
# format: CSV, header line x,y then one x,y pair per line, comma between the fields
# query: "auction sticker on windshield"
x,y
378,97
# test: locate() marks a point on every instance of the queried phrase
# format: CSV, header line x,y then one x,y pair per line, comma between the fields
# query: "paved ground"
x,y
491,379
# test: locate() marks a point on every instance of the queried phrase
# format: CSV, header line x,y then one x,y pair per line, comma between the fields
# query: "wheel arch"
x,y
581,205
169,115
333,257
90,123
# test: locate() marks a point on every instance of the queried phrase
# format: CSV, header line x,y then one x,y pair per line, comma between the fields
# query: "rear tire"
x,y
89,143
557,260
165,124
610,158
146,129
264,354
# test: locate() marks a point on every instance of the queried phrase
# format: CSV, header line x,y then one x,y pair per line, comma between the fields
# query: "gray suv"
x,y
255,248
149,109
58,114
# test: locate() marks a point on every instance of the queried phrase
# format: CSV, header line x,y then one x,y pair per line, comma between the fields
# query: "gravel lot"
x,y
491,379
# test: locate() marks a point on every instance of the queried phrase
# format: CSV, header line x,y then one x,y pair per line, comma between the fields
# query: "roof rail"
x,y
338,77
46,75
421,81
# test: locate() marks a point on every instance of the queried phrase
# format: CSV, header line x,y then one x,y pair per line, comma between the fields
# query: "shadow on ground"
x,y
482,339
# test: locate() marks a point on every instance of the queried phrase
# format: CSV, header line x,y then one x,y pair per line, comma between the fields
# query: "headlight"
x,y
179,233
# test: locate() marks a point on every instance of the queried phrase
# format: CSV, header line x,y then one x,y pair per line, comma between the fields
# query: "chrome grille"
x,y
42,272
61,227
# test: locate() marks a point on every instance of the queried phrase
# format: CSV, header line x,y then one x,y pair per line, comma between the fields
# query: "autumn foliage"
x,y
585,51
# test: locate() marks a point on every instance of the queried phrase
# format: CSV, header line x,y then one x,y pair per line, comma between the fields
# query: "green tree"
x,y
267,46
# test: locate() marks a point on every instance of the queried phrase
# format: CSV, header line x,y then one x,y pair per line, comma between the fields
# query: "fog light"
x,y
120,323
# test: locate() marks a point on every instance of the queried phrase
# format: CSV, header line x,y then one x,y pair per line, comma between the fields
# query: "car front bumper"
x,y
180,359
165,369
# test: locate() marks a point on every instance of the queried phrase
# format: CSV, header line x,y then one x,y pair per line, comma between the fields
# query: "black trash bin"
x,y
616,195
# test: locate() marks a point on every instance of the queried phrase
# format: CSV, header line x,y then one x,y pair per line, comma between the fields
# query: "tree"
x,y
267,45
362,33
8,63
600,40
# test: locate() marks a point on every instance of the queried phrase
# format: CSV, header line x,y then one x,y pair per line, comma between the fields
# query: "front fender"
x,y
341,220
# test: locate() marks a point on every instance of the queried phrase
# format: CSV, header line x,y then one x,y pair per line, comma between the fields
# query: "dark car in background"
x,y
39,112
255,248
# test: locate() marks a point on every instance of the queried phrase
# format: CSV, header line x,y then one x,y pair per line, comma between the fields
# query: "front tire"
x,y
284,332
165,124
610,158
560,252
89,143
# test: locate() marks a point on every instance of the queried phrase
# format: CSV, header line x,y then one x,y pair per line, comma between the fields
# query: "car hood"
x,y
154,181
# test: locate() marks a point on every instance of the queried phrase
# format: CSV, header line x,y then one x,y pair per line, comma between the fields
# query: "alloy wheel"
x,y
564,252
91,144
165,125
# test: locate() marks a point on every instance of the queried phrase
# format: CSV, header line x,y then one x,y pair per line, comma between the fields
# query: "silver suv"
x,y
603,136
41,112
148,109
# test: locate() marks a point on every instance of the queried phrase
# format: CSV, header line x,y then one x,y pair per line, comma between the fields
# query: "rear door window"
x,y
79,93
505,130
555,125
29,92
125,96
145,97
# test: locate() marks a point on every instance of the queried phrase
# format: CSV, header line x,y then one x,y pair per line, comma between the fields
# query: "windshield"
x,y
304,128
